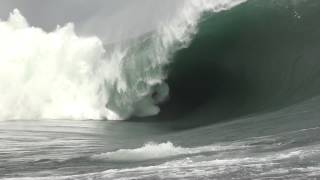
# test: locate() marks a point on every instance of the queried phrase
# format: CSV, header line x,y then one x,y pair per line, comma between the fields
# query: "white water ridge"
x,y
158,151
61,75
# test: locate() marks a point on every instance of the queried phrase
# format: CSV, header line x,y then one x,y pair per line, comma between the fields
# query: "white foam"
x,y
48,75
60,75
204,165
146,152
157,151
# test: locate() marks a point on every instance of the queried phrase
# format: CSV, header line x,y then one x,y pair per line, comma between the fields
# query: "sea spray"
x,y
60,75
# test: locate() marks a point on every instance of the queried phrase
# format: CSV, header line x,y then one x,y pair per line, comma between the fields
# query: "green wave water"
x,y
244,104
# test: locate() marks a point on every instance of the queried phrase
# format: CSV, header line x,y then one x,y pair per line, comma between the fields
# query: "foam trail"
x,y
162,150
59,75
146,152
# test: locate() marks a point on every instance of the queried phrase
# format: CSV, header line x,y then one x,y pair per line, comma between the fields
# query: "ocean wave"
x,y
60,75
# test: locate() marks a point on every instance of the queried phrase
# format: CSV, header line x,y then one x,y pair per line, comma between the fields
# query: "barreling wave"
x,y
60,75
259,57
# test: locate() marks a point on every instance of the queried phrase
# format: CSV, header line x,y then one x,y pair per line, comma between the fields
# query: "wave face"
x,y
60,75
258,57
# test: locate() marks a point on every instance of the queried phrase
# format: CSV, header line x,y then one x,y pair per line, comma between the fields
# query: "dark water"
x,y
244,105
258,57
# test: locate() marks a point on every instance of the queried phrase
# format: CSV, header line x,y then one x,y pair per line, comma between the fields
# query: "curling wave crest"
x,y
60,75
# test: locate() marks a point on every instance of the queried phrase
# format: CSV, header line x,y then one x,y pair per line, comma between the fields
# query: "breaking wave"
x,y
60,75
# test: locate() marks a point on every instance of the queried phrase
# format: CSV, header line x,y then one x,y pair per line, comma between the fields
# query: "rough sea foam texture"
x,y
60,75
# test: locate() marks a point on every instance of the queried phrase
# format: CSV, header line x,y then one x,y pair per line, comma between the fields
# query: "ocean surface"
x,y
190,89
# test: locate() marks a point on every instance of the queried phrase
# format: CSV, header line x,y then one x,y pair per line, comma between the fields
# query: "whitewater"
x,y
59,75
171,89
